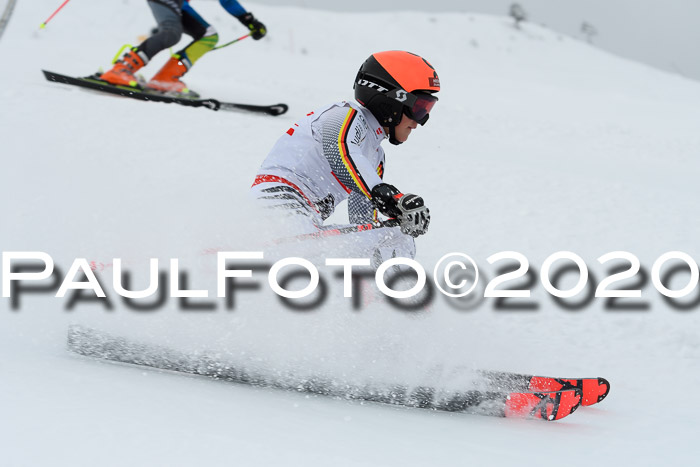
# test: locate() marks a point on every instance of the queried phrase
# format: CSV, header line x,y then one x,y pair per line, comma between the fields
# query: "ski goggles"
x,y
420,109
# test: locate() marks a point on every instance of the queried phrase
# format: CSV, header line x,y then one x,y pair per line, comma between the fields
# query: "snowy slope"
x,y
539,143
662,34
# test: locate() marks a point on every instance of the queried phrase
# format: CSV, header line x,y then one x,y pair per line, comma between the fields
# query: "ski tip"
x,y
565,403
548,406
574,402
603,390
594,390
211,104
278,109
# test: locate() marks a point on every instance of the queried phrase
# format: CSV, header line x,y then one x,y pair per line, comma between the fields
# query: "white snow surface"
x,y
539,143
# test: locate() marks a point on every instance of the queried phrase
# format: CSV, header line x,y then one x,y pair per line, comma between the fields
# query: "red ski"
x,y
593,390
549,406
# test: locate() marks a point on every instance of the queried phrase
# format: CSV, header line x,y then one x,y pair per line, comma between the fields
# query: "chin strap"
x,y
392,136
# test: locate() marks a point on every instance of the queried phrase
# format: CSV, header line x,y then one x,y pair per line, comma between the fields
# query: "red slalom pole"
x,y
43,25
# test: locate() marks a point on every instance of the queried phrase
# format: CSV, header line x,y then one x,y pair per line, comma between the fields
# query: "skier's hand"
x,y
257,29
415,216
409,210
385,198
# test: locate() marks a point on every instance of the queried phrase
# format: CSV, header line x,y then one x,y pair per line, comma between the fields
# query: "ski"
x,y
546,405
94,83
594,390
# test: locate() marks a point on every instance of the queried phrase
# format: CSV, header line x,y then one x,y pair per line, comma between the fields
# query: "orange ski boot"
x,y
122,73
167,80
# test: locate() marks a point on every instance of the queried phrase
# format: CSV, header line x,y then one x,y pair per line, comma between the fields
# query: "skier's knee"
x,y
169,33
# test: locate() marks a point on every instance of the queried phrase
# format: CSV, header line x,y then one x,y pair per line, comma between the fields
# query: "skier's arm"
x,y
361,210
257,29
233,7
343,135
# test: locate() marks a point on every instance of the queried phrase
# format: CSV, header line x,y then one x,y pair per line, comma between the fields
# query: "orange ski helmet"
x,y
392,83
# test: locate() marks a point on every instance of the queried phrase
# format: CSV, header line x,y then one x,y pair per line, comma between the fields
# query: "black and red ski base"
x,y
93,82
526,403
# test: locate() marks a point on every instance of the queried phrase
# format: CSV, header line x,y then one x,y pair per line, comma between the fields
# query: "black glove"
x,y
408,209
257,29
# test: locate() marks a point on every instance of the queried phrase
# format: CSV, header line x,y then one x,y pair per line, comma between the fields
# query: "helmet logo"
x,y
401,95
371,85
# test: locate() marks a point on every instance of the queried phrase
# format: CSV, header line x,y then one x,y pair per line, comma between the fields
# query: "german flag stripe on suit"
x,y
345,154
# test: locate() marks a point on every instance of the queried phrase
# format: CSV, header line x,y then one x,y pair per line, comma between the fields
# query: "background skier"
x,y
175,17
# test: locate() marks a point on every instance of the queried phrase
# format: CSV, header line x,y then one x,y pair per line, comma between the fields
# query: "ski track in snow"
x,y
539,143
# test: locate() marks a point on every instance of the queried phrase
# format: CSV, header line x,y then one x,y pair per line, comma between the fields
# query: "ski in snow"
x,y
94,83
594,390
547,404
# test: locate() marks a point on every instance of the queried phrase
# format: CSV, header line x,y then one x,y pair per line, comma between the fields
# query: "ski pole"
x,y
43,25
323,232
229,43
331,231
